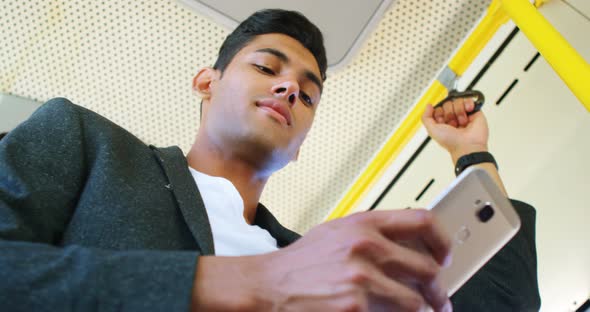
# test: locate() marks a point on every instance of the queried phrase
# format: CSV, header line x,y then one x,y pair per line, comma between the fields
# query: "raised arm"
x,y
508,282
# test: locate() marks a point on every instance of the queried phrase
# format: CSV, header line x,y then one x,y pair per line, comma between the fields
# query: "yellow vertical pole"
x,y
564,59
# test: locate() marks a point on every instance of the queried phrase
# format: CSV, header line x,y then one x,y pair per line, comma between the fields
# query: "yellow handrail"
x,y
564,59
473,45
572,68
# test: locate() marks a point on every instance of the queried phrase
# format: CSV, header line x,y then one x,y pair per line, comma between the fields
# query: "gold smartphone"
x,y
479,219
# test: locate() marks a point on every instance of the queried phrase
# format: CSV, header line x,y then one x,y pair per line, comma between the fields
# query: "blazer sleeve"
x,y
508,282
43,167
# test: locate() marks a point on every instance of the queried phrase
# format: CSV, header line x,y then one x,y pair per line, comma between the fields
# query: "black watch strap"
x,y
473,159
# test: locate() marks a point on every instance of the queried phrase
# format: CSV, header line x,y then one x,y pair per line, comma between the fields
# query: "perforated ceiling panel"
x,y
133,62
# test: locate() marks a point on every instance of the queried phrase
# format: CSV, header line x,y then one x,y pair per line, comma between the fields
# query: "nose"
x,y
288,90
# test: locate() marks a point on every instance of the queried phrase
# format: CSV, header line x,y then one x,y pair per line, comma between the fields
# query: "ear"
x,y
202,82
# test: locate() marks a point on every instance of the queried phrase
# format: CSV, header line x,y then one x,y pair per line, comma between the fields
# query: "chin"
x,y
269,149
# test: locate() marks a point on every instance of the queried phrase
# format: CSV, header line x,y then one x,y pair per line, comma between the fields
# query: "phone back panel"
x,y
459,209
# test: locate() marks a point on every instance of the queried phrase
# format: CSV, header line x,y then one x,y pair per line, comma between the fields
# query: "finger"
x,y
469,105
428,117
399,259
406,296
449,114
391,293
439,115
436,114
409,262
412,224
436,296
459,109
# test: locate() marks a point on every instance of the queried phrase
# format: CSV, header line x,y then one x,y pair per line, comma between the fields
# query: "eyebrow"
x,y
285,59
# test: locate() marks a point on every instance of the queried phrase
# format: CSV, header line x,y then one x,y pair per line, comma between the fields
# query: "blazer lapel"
x,y
187,195
267,221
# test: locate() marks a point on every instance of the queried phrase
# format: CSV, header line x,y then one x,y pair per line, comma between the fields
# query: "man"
x,y
93,219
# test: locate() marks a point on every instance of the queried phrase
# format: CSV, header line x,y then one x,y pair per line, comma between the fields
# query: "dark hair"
x,y
290,23
3,134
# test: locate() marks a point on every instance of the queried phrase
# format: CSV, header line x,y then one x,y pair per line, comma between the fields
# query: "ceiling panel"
x,y
133,62
343,32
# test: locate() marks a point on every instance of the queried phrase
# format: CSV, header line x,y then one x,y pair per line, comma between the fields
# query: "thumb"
x,y
428,118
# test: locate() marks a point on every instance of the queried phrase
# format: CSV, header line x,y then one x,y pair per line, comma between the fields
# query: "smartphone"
x,y
479,219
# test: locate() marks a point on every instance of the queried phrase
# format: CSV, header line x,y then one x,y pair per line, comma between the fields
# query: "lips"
x,y
276,109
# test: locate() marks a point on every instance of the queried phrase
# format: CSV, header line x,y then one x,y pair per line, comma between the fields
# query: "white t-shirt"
x,y
232,236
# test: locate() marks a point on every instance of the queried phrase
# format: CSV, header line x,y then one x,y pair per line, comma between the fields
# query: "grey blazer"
x,y
91,218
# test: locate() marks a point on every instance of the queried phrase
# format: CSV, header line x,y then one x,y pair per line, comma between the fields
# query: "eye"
x,y
306,98
264,69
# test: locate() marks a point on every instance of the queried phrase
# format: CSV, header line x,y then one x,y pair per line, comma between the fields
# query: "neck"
x,y
211,159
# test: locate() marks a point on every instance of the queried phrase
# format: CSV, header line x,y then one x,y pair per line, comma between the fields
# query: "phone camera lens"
x,y
485,213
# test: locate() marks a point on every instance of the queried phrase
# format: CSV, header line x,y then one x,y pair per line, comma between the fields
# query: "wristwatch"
x,y
473,159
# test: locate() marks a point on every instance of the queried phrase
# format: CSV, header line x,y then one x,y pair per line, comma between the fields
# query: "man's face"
x,y
266,99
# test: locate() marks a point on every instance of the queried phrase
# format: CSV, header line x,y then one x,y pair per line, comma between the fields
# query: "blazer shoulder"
x,y
60,112
61,107
56,118
58,105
